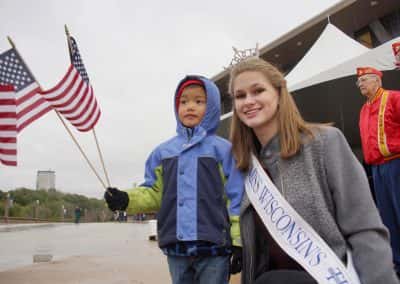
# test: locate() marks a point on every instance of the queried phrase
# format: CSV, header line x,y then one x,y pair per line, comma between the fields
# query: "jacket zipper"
x,y
189,132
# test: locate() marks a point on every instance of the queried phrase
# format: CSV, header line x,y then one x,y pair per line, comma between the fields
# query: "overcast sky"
x,y
135,52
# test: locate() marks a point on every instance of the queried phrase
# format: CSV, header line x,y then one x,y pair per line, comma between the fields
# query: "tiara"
x,y
240,55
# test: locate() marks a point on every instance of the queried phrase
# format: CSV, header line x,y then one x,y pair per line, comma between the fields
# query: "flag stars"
x,y
14,71
77,60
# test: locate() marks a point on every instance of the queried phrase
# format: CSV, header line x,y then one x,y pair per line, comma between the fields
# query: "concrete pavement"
x,y
112,253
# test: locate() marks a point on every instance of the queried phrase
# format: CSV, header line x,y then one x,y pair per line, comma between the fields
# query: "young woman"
x,y
315,171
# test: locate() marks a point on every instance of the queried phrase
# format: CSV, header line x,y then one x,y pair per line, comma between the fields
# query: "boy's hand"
x,y
236,260
116,199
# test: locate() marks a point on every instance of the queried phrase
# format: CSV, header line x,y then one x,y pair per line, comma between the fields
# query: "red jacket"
x,y
380,127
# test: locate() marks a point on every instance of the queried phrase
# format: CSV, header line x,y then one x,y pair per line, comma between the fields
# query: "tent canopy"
x,y
333,47
380,58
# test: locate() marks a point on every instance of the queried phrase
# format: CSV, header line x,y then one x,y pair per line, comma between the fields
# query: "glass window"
x,y
366,37
391,22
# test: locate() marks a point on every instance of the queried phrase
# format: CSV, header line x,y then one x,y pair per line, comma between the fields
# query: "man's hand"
x,y
236,260
116,199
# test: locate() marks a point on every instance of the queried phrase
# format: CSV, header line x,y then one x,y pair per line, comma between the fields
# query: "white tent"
x,y
380,58
333,47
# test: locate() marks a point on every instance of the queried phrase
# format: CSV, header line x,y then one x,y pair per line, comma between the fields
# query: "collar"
x,y
377,95
270,152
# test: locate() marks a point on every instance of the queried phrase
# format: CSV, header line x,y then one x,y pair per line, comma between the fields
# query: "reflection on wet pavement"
x,y
98,253
18,245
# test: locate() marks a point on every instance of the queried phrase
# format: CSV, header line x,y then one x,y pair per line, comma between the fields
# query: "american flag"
x,y
8,126
73,96
30,105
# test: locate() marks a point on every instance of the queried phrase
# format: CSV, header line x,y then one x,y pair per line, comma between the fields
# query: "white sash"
x,y
293,234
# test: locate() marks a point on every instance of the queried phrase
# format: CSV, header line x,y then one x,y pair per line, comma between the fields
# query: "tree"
x,y
50,204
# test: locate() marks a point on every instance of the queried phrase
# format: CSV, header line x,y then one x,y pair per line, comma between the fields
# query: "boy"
x,y
192,181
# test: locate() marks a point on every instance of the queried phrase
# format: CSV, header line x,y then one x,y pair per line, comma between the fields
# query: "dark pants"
x,y
199,270
285,277
386,179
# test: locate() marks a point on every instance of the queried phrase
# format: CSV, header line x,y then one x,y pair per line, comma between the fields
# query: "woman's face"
x,y
255,101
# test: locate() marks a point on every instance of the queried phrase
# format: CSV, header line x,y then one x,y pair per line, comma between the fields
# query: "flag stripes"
x,y
30,105
74,99
8,126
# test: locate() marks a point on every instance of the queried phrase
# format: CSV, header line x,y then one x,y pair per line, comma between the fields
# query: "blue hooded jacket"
x,y
192,181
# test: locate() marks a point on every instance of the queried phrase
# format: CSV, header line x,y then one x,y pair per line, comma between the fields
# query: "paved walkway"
x,y
98,253
23,227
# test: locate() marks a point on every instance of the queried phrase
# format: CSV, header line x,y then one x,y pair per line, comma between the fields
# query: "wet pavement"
x,y
86,253
19,243
83,253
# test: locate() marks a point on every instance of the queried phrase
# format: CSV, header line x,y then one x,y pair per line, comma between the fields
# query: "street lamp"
x,y
37,209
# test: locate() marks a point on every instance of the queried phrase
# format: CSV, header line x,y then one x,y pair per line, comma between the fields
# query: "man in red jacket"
x,y
380,139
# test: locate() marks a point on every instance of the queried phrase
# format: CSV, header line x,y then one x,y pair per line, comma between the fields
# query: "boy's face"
x,y
192,105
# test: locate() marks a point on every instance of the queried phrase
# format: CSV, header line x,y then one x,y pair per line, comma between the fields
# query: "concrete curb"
x,y
23,227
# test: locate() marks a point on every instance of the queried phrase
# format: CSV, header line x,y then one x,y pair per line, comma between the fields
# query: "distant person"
x,y
307,212
380,139
120,216
77,215
192,181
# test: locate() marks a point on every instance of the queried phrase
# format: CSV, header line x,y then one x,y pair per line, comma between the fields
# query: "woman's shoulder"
x,y
324,136
326,132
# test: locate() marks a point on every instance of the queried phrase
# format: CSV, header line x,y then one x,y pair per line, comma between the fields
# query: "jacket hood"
x,y
211,118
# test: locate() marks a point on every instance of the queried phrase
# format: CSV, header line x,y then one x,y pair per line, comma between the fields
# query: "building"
x,y
46,180
370,22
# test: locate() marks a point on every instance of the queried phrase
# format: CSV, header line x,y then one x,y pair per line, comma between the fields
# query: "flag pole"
x,y
59,116
101,157
93,130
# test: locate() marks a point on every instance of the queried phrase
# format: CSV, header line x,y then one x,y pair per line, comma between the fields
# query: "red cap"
x,y
361,71
183,86
396,48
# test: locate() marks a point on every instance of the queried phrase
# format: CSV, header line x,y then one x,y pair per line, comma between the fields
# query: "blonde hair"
x,y
290,122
